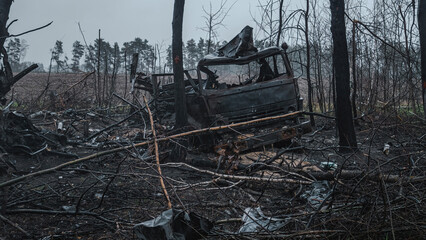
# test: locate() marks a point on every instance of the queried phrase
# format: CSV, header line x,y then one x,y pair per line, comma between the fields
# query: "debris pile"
x,y
18,134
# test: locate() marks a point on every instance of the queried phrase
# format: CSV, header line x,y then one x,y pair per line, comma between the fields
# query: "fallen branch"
x,y
111,126
319,115
244,178
157,158
352,174
124,100
80,81
55,212
23,73
252,168
10,81
15,225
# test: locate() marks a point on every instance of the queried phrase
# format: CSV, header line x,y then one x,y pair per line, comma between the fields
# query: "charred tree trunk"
x,y
4,16
99,71
180,101
345,124
308,63
354,92
280,22
133,69
422,30
125,73
6,75
412,99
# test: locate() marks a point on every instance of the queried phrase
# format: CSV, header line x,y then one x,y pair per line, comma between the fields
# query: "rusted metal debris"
x,y
237,83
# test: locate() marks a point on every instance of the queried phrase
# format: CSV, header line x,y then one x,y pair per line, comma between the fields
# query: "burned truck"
x,y
252,92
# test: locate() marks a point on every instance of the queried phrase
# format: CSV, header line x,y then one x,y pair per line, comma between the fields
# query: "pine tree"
x,y
57,53
201,48
16,49
169,59
145,51
192,54
77,53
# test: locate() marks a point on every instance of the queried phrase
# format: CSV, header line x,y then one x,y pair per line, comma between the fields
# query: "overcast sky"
x,y
119,21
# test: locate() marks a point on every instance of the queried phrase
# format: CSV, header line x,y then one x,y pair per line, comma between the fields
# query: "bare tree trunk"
x,y
361,78
180,101
99,70
411,99
386,58
345,124
4,16
7,74
319,78
422,30
385,75
159,59
330,89
113,75
354,93
333,84
280,23
308,63
105,82
125,73
209,42
133,67
7,80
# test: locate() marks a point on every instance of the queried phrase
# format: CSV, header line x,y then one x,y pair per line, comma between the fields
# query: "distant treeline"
x,y
16,49
110,57
153,58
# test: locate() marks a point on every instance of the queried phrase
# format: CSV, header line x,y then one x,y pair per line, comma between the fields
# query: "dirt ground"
x,y
309,188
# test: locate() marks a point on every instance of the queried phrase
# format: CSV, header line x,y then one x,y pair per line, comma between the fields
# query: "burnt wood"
x,y
345,124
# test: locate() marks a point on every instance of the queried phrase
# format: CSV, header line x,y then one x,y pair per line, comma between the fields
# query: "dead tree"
x,y
345,124
280,22
354,93
7,80
4,16
214,19
6,74
180,101
99,95
133,69
422,31
308,63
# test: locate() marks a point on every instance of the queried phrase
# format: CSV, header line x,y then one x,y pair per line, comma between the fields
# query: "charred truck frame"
x,y
238,84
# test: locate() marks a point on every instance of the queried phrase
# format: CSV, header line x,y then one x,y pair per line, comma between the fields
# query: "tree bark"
x,y
4,16
280,22
422,30
133,69
6,75
344,117
99,70
180,101
354,90
308,63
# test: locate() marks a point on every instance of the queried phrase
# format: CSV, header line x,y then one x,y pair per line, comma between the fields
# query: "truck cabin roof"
x,y
212,59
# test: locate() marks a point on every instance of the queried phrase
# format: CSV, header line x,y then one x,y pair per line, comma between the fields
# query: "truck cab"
x,y
238,84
